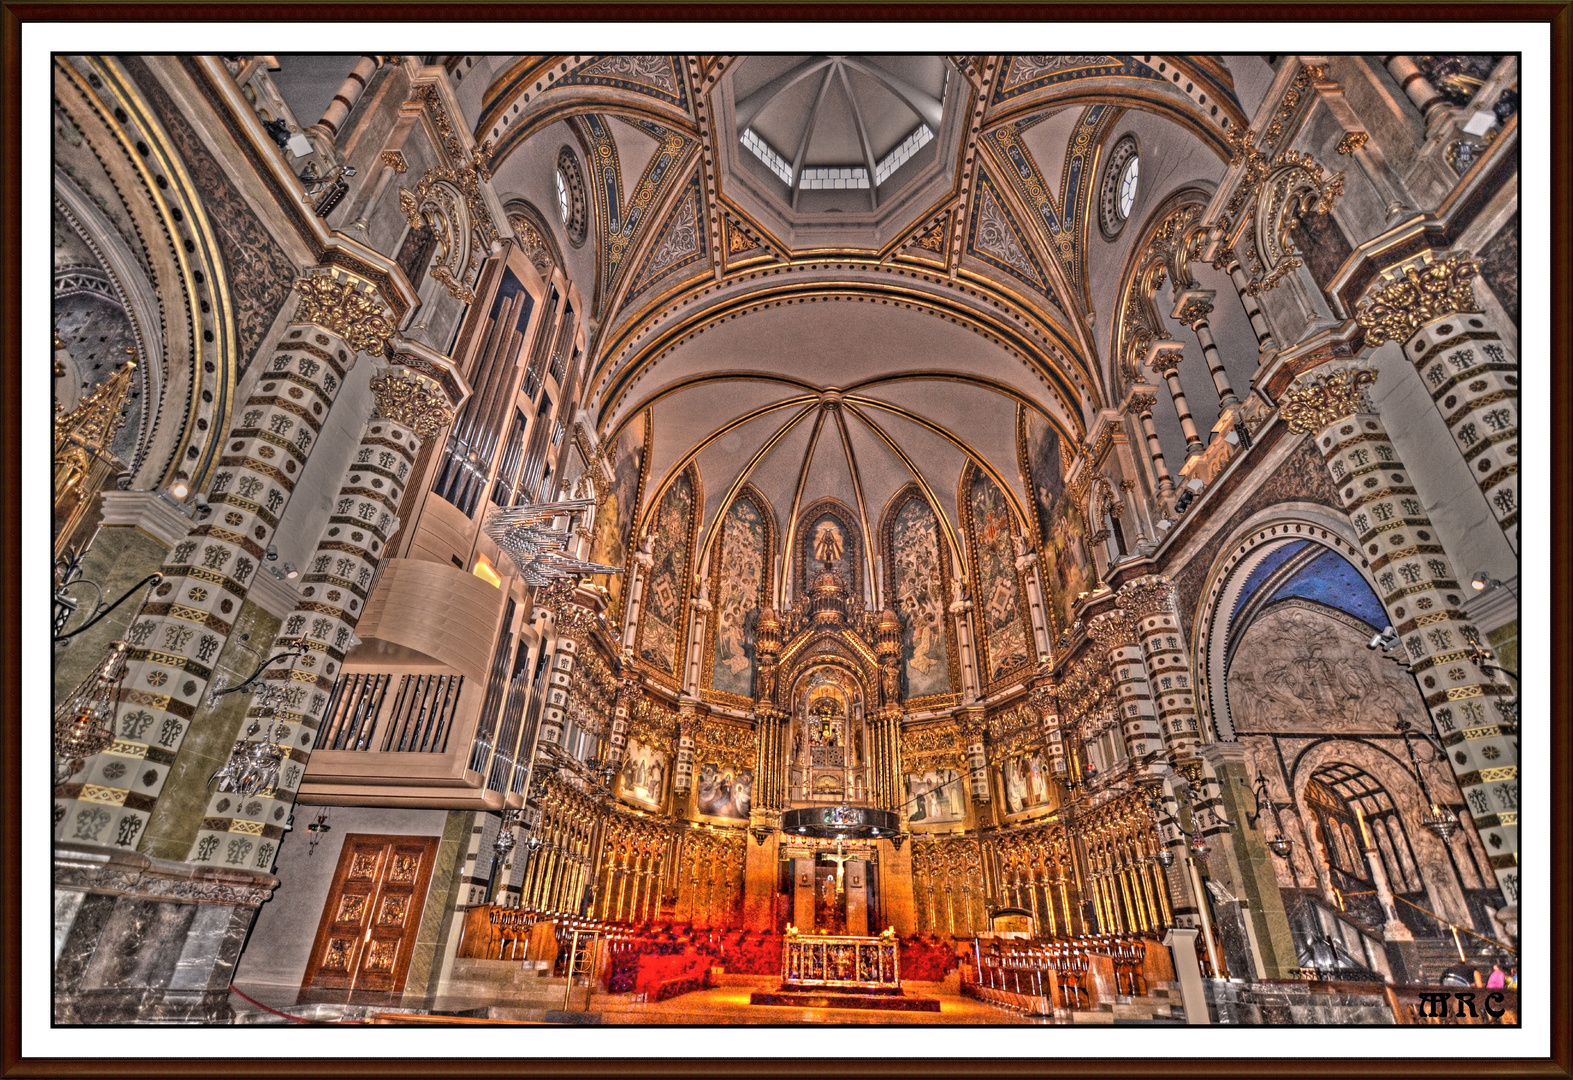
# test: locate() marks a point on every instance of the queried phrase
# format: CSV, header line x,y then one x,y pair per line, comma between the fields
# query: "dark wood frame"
x,y
1557,17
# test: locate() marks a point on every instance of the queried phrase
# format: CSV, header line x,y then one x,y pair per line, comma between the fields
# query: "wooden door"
x,y
372,914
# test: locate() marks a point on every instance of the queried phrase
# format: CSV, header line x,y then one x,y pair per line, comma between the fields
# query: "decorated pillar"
x,y
1414,83
178,635
1164,358
1140,403
970,719
1027,567
971,679
244,823
1115,632
1044,696
627,698
1192,308
1154,607
699,609
1265,342
573,616
1430,307
690,715
1423,599
344,100
886,742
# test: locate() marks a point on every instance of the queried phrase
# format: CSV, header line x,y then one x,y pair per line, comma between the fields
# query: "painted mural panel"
x,y
998,604
737,601
1045,478
724,791
1027,782
614,513
644,776
920,599
661,622
826,541
935,797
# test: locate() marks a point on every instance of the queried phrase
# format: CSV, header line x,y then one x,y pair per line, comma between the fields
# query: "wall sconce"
x,y
1279,844
1439,818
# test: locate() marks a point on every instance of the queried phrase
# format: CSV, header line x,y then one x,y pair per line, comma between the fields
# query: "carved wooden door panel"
x,y
372,913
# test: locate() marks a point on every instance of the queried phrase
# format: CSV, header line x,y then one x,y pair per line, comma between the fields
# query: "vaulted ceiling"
x,y
834,276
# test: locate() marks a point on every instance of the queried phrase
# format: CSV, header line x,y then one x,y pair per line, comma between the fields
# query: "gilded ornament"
x,y
1113,629
1352,141
1329,398
394,159
410,401
1148,596
341,308
1417,296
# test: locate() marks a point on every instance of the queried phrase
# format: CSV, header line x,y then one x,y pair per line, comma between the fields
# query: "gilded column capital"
x,y
1194,310
1113,629
347,308
413,401
1142,399
1412,296
1326,399
1148,595
1165,356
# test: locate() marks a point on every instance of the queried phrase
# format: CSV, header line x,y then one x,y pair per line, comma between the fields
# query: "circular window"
x,y
1117,193
572,204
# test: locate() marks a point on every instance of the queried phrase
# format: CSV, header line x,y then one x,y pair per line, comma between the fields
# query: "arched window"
x,y
1117,192
572,201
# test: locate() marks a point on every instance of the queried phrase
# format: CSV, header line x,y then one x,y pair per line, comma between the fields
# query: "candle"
x,y
1365,833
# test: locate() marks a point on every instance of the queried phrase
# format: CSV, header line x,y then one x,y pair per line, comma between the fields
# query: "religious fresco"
x,y
828,541
661,621
1067,571
997,606
1027,781
1042,467
614,512
914,557
724,791
741,577
644,777
935,797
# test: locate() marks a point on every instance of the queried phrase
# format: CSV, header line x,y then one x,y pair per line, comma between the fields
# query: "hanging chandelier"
x,y
253,765
1439,819
84,721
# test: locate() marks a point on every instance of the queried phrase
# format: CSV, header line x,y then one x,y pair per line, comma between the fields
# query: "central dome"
x,y
840,140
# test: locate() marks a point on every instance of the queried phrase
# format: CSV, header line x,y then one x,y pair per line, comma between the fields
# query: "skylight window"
x,y
825,179
898,157
764,153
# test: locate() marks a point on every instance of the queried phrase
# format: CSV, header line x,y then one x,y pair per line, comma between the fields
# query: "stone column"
x,y
572,618
1027,566
1164,358
1153,605
1468,368
971,678
627,697
1192,308
245,831
393,163
349,93
699,612
1415,84
178,635
1115,632
1423,599
688,720
1141,402
1044,697
1230,265
970,720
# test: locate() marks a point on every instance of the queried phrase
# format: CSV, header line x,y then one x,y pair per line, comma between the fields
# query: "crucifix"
x,y
840,858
